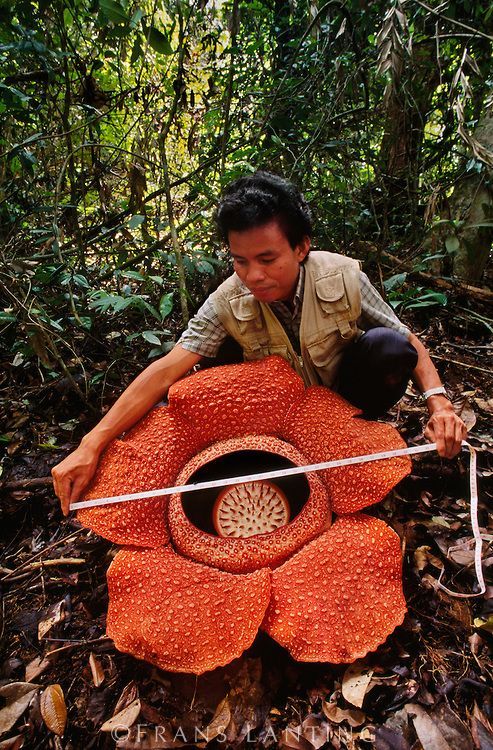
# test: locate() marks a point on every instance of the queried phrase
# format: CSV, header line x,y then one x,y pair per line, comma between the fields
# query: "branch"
x,y
476,32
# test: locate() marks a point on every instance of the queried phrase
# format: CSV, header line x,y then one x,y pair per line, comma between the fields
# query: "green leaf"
x,y
28,160
132,275
203,266
151,338
79,280
166,304
135,221
452,244
6,317
113,11
394,281
159,41
137,52
136,18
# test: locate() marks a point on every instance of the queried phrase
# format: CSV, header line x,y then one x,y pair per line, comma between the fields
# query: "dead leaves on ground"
x,y
53,709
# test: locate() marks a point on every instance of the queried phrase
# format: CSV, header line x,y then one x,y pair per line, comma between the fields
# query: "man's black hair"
x,y
253,201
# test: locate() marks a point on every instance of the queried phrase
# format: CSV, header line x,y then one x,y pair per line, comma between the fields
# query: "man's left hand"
x,y
446,429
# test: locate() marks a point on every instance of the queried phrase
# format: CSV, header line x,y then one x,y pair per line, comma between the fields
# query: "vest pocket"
x,y
332,294
246,311
323,352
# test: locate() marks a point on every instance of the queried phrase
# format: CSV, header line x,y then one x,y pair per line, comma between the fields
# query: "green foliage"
x,y
402,296
95,93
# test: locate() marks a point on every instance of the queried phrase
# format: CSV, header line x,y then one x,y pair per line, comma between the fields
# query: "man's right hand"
x,y
73,474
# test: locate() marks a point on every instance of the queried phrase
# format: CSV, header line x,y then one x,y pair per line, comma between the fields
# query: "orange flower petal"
x,y
149,457
180,615
341,595
325,427
236,400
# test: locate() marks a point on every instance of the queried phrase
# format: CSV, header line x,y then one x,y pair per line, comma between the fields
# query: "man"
x,y
315,309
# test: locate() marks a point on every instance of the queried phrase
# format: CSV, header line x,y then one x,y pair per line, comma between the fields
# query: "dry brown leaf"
x,y
124,719
219,721
423,557
128,695
316,731
453,728
36,667
355,682
485,405
149,738
54,616
13,743
353,716
390,680
463,408
97,670
476,643
463,552
53,709
291,737
439,730
17,696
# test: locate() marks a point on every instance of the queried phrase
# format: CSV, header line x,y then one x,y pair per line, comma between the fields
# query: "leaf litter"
x,y
430,686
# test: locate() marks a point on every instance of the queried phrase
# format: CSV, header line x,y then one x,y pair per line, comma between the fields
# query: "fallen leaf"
x,y
482,731
148,738
36,667
291,737
453,728
13,743
353,716
423,557
219,721
128,695
485,405
124,719
465,412
316,730
53,709
54,616
355,682
476,643
97,671
17,696
440,729
389,739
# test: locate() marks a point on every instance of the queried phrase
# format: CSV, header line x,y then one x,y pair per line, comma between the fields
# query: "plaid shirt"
x,y
205,332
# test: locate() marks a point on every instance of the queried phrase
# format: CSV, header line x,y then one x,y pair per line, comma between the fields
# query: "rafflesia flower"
x,y
189,600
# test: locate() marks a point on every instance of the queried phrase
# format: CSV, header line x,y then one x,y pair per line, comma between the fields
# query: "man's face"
x,y
265,261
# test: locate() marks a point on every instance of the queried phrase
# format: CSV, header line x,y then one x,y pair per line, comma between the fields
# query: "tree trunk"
x,y
471,204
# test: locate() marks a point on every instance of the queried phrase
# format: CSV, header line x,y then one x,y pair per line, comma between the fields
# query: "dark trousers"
x,y
376,369
373,374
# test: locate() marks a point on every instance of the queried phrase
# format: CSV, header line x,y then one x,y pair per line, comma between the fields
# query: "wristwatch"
x,y
434,392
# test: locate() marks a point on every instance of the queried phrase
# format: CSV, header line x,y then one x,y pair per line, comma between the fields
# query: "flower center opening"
x,y
245,510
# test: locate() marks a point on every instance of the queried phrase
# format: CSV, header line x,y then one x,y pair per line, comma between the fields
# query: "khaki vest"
x,y
331,307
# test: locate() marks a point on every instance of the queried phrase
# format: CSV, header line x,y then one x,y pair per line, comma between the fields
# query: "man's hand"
x,y
73,474
445,428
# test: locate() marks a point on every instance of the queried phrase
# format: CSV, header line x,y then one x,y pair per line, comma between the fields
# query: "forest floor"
x,y
430,685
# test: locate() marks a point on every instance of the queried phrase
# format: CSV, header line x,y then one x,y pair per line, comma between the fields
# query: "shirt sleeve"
x,y
375,312
205,332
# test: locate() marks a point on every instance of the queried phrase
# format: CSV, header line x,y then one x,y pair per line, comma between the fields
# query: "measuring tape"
x,y
196,487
